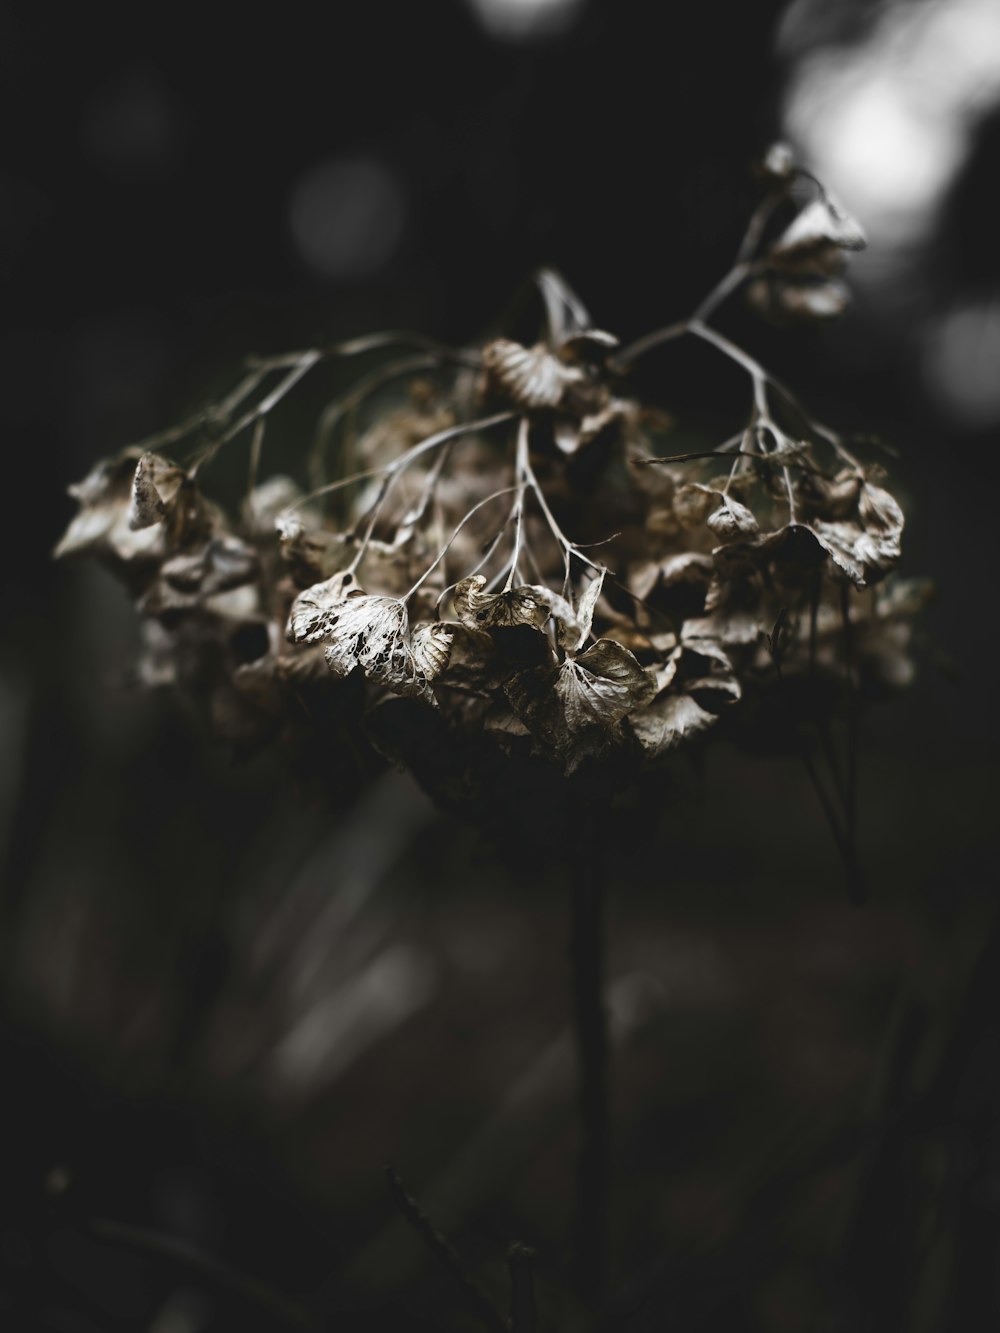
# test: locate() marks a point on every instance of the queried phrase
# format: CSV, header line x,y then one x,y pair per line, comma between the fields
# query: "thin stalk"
x,y
335,412
274,1307
593,1177
851,794
521,474
398,467
447,546
300,368
475,1298
523,1315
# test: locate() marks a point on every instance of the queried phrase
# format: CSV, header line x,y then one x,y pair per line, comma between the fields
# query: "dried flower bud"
x,y
778,163
732,519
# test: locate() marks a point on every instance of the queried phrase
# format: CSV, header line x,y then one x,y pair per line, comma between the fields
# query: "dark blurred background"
x,y
226,1005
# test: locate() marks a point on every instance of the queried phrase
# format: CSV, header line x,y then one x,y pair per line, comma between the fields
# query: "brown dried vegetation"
x,y
462,565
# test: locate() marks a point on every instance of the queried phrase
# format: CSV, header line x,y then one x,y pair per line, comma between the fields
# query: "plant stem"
x,y
523,1315
590,1024
276,1308
477,1301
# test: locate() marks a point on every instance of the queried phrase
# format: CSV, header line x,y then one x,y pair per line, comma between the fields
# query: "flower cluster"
x,y
509,549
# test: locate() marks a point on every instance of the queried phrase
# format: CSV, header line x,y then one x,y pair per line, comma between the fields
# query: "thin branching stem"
x,y
736,275
569,548
755,227
523,1316
267,404
256,446
507,490
368,342
277,1308
341,407
521,478
395,470
857,887
851,785
593,1175
475,1298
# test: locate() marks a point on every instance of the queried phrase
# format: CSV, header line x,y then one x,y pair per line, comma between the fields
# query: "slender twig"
x,y
221,1275
256,445
755,227
447,546
334,413
475,1298
851,796
857,886
726,452
521,466
368,342
395,470
522,1288
590,1025
569,548
720,291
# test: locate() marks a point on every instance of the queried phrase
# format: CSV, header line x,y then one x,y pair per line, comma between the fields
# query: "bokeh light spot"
x,y
963,353
131,129
888,122
347,216
520,20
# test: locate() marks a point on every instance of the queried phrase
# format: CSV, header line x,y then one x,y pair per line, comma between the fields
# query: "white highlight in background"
x,y
887,122
520,20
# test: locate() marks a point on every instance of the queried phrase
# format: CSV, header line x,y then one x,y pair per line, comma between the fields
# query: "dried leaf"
x,y
101,525
368,631
601,686
667,722
822,223
532,377
312,554
309,618
567,315
529,604
693,503
430,645
146,506
809,301
801,545
574,631
880,511
787,300
726,626
227,563
201,577
502,722
573,432
643,578
688,567
268,503
840,541
471,659
589,344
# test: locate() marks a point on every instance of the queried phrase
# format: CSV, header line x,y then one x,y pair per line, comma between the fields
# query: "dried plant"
x,y
510,550
508,566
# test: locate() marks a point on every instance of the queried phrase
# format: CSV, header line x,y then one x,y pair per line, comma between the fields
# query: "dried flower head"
x,y
448,557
